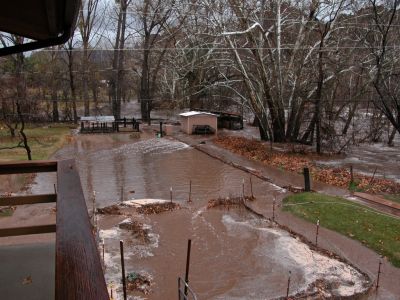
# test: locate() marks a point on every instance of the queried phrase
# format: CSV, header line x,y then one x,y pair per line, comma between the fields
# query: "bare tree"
x,y
20,93
384,66
157,28
69,47
88,18
117,77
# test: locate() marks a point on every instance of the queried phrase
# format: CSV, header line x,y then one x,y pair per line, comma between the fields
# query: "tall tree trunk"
x,y
350,116
21,97
144,95
298,121
308,135
72,84
117,63
121,56
391,137
85,79
54,100
22,133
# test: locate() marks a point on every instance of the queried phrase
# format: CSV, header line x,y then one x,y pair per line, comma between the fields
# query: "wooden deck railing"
x,y
79,274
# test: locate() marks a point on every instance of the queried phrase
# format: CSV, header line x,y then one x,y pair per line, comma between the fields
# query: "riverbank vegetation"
x,y
377,231
295,162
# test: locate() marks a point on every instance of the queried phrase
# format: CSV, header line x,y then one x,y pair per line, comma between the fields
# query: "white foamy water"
x,y
112,259
149,146
141,202
292,254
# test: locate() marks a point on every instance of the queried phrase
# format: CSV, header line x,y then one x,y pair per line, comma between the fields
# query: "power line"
x,y
331,48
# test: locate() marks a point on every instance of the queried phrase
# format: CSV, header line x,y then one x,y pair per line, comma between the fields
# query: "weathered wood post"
x,y
170,193
161,132
121,246
124,122
189,247
307,185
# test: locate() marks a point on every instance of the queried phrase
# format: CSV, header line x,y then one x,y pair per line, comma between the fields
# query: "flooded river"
x,y
235,254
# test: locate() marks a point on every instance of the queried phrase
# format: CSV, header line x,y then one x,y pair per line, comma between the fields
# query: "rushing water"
x,y
235,254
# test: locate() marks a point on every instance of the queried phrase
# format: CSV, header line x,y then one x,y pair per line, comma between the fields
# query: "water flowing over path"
x,y
236,254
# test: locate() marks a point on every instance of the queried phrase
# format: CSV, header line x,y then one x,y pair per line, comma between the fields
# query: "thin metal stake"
x,y
379,273
170,193
316,236
373,175
189,247
190,191
273,210
121,246
102,242
251,187
243,188
94,207
288,285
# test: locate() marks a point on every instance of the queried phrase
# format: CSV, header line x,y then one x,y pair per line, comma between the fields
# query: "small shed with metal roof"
x,y
199,122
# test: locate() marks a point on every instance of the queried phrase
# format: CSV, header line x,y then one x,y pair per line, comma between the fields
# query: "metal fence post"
x,y
189,247
379,273
288,285
307,185
121,246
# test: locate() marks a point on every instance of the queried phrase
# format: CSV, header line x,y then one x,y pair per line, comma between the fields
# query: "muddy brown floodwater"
x,y
235,254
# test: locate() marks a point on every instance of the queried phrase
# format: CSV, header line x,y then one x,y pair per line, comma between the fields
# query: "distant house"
x,y
199,122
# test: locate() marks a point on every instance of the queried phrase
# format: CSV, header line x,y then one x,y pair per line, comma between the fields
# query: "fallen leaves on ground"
x,y
228,201
138,282
27,280
109,210
156,208
256,150
137,228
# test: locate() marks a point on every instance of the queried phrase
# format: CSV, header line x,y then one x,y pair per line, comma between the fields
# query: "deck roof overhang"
x,y
45,22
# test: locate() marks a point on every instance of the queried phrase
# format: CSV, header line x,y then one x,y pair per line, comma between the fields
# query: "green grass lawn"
x,y
43,141
378,232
